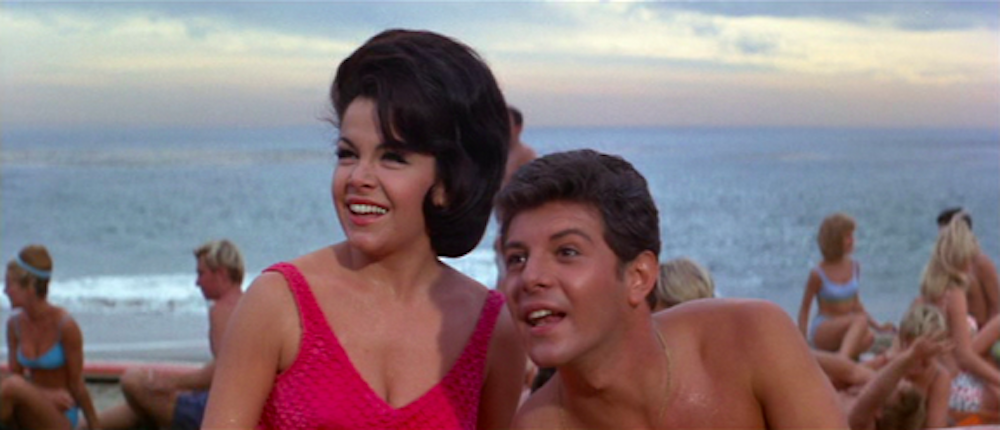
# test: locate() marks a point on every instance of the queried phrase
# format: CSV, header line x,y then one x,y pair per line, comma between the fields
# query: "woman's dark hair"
x,y
604,182
436,96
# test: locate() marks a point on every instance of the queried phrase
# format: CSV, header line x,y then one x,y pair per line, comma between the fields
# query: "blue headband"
x,y
41,274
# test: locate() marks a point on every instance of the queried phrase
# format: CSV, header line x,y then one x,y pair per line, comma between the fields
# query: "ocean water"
x,y
121,210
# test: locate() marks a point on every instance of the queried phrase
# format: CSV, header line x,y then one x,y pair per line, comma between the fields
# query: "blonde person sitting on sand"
x,y
682,279
894,397
841,323
45,389
176,399
975,381
983,294
581,235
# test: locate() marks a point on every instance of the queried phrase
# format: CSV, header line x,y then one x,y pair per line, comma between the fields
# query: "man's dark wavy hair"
x,y
604,182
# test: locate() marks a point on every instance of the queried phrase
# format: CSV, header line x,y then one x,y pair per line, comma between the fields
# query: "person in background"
x,y
975,381
519,153
176,399
376,331
921,340
580,238
841,323
45,352
682,279
983,294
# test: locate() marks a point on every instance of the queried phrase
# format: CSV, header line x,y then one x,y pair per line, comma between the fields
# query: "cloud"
x,y
271,63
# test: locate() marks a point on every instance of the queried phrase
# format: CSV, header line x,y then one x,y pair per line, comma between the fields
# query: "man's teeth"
x,y
539,314
367,209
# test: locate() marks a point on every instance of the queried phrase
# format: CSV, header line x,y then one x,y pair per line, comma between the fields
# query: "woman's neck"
x,y
403,274
38,311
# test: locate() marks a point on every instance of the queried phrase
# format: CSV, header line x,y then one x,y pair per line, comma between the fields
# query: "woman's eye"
x,y
395,157
343,153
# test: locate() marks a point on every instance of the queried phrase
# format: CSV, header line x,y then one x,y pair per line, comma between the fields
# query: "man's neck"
x,y
617,382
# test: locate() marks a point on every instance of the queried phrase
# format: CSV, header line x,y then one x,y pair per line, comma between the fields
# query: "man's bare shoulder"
x,y
721,311
540,411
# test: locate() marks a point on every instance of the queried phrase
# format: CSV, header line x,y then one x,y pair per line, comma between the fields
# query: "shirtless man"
x,y
581,239
983,294
176,400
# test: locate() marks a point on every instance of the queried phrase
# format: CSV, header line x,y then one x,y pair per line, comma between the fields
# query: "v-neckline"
x,y
369,391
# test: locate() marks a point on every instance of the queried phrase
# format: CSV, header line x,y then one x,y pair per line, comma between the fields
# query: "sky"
x,y
249,64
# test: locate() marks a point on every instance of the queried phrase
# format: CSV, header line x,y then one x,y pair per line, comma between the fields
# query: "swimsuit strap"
x,y
822,274
62,323
310,314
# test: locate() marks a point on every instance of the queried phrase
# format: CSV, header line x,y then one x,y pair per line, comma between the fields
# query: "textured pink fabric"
x,y
322,389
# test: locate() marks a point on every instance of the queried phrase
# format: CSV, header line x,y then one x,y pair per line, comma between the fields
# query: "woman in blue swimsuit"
x,y
841,324
45,352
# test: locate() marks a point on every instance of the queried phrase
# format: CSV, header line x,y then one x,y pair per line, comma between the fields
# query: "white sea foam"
x,y
177,293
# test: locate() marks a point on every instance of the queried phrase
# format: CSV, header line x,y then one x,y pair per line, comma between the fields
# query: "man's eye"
x,y
568,252
515,259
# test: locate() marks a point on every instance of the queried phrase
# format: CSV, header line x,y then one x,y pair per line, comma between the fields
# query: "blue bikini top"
x,y
834,292
54,358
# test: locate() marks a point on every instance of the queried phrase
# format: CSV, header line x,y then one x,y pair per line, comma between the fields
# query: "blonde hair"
x,y
922,319
832,232
222,253
36,256
954,250
682,279
908,412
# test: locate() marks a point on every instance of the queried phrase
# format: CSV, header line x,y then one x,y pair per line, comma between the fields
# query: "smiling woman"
x,y
377,332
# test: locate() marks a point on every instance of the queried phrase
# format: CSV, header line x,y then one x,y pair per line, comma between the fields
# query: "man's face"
x,y
210,281
562,282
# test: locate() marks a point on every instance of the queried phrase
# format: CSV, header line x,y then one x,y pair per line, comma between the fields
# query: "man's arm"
x,y
986,274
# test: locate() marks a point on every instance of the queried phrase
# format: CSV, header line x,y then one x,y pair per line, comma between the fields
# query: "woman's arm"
x,y
812,286
957,311
938,395
986,337
72,339
12,348
250,354
504,376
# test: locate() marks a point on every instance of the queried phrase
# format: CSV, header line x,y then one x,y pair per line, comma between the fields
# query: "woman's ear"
x,y
439,196
640,277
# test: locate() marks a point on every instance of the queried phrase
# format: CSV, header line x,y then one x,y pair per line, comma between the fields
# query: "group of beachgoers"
x,y
585,328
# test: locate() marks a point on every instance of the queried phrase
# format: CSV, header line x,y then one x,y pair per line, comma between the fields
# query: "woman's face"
x,y
15,291
379,189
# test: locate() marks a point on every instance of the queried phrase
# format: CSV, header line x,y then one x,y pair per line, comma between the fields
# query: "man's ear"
x,y
640,277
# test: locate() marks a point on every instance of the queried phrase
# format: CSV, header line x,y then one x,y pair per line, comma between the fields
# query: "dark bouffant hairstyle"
x,y
605,182
436,96
516,116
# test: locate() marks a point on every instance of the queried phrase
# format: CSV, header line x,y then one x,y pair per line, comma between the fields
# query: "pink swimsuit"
x,y
322,389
